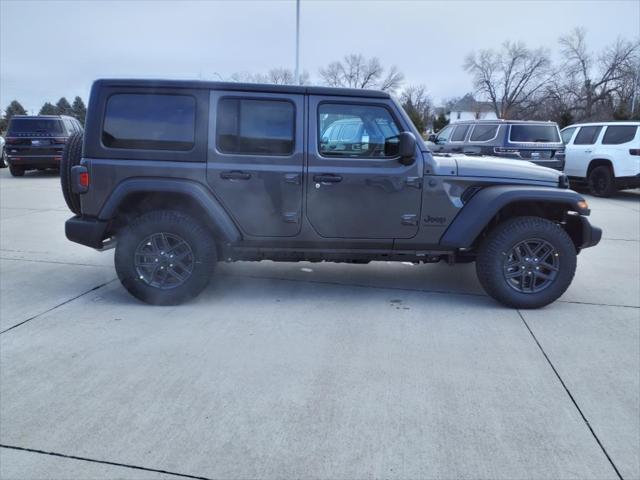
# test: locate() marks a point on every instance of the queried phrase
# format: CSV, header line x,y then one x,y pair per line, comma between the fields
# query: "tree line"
x,y
519,82
76,109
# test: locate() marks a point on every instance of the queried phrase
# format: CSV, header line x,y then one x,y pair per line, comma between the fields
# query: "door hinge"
x,y
290,217
409,219
415,182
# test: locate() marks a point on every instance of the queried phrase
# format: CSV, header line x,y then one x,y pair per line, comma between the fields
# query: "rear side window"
x,y
150,122
255,127
587,135
483,133
616,135
35,126
460,133
534,133
566,134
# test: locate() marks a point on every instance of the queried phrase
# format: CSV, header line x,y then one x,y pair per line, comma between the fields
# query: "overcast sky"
x,y
54,48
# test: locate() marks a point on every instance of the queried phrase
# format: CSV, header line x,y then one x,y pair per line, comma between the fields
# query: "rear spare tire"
x,y
71,156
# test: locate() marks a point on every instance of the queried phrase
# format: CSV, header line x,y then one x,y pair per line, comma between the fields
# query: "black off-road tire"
x,y
172,224
601,181
16,171
4,163
494,251
71,156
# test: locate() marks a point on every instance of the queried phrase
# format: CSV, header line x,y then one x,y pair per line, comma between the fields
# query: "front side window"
x,y
355,130
483,133
526,133
444,134
150,122
619,134
587,136
460,133
255,127
566,134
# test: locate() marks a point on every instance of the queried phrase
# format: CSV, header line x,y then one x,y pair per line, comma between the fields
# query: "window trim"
x,y
497,125
466,134
607,127
559,142
362,104
195,122
261,98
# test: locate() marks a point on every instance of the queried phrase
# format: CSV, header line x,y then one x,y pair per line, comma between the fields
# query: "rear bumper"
x,y
86,231
591,235
34,160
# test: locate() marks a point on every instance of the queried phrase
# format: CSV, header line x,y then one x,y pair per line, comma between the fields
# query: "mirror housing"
x,y
406,148
432,138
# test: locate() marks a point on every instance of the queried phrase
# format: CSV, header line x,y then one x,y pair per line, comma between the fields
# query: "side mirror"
x,y
402,145
432,138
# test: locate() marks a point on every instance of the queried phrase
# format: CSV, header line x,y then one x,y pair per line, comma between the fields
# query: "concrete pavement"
x,y
312,370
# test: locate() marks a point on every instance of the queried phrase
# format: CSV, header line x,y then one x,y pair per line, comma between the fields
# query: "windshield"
x,y
534,133
35,125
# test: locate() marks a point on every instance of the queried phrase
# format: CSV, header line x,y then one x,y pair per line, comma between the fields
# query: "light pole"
x,y
297,71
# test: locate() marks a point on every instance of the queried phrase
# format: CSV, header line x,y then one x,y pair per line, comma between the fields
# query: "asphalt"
x,y
312,370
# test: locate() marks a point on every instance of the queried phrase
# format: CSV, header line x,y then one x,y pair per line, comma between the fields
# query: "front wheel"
x,y
165,257
526,262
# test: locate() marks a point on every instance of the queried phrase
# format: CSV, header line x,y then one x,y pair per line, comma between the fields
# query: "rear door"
x,y
356,188
255,159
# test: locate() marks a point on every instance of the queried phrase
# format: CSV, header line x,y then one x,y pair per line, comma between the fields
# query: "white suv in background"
x,y
605,155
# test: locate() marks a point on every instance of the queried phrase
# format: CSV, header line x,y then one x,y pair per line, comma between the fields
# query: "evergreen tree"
x,y
48,109
79,109
63,107
14,108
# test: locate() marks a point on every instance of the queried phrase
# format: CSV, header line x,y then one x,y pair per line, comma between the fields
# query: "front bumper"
x,y
86,231
591,235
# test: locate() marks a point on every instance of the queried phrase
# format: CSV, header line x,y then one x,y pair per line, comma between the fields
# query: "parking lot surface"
x,y
312,370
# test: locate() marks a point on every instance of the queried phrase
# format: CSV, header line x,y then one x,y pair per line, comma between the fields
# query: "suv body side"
x,y
593,144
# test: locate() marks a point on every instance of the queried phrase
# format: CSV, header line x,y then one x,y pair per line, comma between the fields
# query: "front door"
x,y
355,187
255,159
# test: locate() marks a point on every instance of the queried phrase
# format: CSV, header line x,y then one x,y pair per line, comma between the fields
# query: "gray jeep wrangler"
x,y
179,175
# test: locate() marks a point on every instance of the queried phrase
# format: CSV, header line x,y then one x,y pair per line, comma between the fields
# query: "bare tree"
x,y
277,76
598,82
418,106
356,71
511,78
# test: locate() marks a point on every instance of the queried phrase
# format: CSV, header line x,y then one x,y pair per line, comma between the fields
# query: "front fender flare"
x,y
217,217
484,205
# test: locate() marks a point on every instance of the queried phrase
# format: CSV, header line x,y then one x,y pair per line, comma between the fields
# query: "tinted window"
x,y
483,133
587,136
459,133
35,126
364,131
619,134
255,127
534,133
444,134
156,122
566,134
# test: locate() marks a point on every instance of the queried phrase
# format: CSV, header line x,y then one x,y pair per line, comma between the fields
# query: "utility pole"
x,y
297,71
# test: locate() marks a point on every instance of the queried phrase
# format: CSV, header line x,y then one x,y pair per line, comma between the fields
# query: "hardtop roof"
x,y
238,86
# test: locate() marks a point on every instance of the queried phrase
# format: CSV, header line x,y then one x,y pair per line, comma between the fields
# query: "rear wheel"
x,y
165,257
601,181
16,171
526,262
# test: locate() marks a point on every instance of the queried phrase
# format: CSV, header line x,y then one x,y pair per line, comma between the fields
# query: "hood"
x,y
470,166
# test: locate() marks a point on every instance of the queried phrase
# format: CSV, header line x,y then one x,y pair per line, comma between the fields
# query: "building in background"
x,y
468,108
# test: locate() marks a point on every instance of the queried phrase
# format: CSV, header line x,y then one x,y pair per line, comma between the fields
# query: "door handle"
x,y
235,175
327,178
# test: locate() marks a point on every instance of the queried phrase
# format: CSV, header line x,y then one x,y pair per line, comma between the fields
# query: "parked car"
x,y
36,142
537,142
3,158
178,175
605,156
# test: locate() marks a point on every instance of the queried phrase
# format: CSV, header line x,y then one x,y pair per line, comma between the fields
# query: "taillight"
x,y
61,140
634,151
11,140
83,179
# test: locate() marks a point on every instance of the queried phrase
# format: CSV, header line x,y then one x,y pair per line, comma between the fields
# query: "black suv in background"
x,y
36,142
537,142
